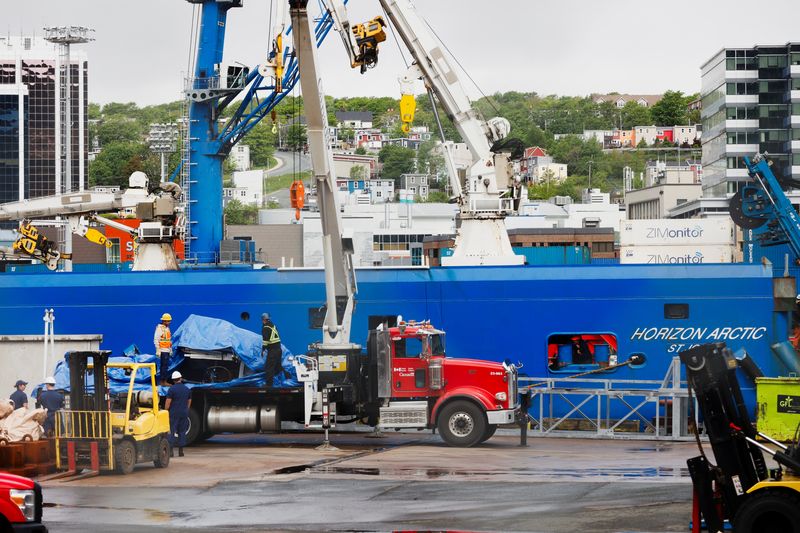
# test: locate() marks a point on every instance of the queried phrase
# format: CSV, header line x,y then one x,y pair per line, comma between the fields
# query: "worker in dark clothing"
x,y
179,400
52,400
271,343
19,397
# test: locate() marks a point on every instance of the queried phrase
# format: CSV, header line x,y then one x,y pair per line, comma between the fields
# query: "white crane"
x,y
159,211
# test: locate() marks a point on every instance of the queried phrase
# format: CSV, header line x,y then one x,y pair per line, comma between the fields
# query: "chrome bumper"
x,y
504,416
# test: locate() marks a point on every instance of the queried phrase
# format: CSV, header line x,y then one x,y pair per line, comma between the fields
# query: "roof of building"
x,y
561,231
363,116
649,98
535,151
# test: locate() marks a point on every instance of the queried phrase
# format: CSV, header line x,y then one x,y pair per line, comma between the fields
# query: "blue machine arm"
x,y
763,202
208,146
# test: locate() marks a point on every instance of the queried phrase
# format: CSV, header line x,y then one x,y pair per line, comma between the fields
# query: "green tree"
x,y
671,109
117,129
238,213
439,197
430,159
261,141
633,114
116,161
296,136
361,150
396,161
357,172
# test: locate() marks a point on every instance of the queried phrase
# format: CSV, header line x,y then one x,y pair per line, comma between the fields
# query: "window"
x,y
112,254
413,190
410,347
412,178
378,194
579,352
676,311
772,61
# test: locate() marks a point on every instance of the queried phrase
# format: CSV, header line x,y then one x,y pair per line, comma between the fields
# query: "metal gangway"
x,y
592,401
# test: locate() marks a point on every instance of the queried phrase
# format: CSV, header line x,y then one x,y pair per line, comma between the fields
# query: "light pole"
x,y
163,139
64,36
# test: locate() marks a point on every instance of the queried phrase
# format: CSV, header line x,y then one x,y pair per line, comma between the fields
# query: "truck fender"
x,y
8,509
475,394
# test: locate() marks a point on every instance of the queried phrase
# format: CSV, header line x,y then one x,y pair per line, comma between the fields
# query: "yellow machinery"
x,y
740,489
100,432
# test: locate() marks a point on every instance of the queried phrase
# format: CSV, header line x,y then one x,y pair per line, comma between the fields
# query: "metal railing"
x,y
607,408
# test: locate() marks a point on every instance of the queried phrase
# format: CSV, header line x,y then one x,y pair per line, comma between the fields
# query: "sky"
x,y
565,47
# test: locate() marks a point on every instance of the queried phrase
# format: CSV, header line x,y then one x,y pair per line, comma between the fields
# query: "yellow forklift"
x,y
101,432
740,489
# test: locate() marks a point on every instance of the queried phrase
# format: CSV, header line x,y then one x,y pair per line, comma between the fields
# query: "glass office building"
x,y
751,103
32,133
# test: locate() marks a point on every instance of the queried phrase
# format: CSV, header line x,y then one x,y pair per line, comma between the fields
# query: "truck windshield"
x,y
437,344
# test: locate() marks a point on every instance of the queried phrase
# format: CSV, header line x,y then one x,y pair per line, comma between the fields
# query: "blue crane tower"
x,y
215,86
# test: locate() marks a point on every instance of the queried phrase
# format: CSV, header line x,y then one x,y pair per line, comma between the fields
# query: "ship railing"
x,y
611,408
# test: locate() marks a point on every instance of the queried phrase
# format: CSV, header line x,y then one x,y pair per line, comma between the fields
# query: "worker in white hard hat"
x,y
52,400
179,400
162,339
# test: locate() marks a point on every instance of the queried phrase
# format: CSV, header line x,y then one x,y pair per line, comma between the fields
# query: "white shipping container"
x,y
676,232
675,255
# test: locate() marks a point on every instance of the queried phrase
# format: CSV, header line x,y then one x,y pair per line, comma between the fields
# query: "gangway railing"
x,y
607,407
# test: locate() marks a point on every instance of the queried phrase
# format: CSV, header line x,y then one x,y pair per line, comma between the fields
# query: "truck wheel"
x,y
194,436
162,454
124,457
489,433
769,510
462,423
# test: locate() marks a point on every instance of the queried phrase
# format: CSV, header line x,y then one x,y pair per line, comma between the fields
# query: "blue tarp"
x,y
214,335
207,334
196,333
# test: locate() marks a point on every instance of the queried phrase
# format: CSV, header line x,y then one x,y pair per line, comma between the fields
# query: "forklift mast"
x,y
79,398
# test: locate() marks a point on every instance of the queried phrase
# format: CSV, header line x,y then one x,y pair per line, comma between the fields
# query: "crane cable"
x,y
464,70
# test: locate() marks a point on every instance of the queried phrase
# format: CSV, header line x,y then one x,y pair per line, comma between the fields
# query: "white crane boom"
x,y
340,283
490,190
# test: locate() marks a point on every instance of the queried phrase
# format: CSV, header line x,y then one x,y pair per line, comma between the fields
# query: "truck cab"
x,y
420,387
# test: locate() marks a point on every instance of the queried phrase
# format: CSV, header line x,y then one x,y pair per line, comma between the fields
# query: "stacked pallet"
x,y
28,458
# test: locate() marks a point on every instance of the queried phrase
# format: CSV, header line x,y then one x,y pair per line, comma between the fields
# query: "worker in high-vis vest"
x,y
270,343
163,342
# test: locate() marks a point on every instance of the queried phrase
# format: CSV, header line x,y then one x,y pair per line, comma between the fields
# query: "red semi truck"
x,y
404,380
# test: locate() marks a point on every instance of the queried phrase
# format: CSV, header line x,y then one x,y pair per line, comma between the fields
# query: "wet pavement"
x,y
406,481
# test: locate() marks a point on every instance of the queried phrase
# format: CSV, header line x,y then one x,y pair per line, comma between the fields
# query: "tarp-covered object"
x,y
201,333
22,424
206,334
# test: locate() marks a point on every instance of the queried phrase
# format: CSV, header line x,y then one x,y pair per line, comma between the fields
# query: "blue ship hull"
x,y
495,313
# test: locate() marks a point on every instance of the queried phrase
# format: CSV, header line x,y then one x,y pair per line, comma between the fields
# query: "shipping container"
x,y
669,255
555,255
676,232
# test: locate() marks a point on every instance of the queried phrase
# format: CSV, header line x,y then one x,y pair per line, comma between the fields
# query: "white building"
x,y
666,188
355,120
381,191
248,188
555,172
385,234
599,212
241,157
